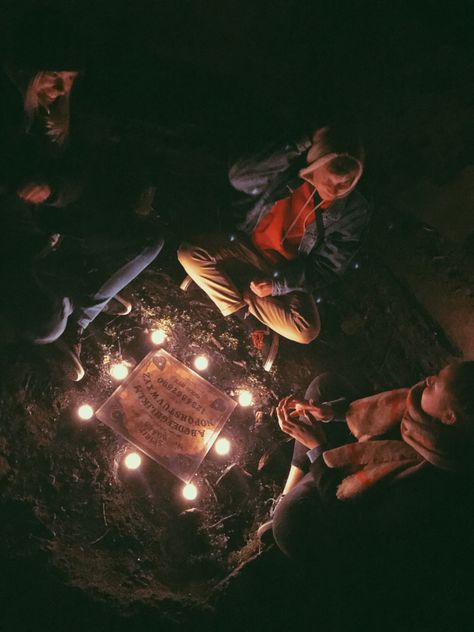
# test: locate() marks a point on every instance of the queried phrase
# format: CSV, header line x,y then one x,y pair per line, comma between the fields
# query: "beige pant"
x,y
224,269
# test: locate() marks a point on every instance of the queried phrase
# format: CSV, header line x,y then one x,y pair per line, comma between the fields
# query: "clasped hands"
x,y
294,419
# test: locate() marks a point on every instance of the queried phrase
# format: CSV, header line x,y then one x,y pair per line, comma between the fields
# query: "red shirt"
x,y
279,233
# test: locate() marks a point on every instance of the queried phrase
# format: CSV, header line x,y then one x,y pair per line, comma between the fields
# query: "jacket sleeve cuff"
x,y
290,279
280,287
315,453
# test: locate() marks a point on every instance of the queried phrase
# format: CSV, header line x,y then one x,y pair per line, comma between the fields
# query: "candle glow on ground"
x,y
119,371
85,412
222,446
158,336
245,398
133,460
201,363
190,491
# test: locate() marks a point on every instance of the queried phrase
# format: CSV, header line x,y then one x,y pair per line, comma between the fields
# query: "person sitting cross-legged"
x,y
304,228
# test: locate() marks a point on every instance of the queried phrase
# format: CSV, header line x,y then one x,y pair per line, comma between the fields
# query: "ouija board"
x,y
169,412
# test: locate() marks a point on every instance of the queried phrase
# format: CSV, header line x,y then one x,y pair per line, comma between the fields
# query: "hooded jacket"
x,y
331,241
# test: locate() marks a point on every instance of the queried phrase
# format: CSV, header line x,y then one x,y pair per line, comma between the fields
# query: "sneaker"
x,y
267,343
70,354
186,283
117,306
265,532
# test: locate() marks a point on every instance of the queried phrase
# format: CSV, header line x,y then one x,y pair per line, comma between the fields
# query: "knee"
x,y
154,249
49,323
158,246
307,334
193,257
288,523
316,387
186,253
282,531
44,333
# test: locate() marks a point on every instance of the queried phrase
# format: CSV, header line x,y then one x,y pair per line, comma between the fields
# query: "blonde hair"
x,y
55,115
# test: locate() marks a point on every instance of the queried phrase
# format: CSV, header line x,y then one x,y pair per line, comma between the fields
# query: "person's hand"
x,y
261,288
34,192
323,412
310,435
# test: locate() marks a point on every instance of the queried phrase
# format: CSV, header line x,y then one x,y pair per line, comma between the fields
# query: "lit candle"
x,y
201,363
119,371
85,412
190,491
133,460
158,336
245,398
222,446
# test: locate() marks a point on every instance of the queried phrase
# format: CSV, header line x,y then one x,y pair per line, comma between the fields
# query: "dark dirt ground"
x,y
86,545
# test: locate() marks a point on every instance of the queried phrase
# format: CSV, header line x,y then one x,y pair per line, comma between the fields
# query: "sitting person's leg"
x,y
305,527
224,270
86,294
328,387
293,316
295,516
45,319
95,302
298,468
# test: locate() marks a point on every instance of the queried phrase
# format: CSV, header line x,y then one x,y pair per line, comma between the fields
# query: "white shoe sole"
x,y
272,352
185,283
126,304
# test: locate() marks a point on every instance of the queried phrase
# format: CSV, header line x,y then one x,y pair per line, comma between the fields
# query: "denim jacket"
x,y
324,253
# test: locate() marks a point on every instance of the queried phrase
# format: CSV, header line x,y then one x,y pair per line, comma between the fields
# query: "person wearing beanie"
x,y
303,229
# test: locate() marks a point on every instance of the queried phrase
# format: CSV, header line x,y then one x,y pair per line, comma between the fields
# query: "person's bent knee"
x,y
45,333
153,249
184,252
193,257
318,385
307,335
157,245
48,323
187,254
287,523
